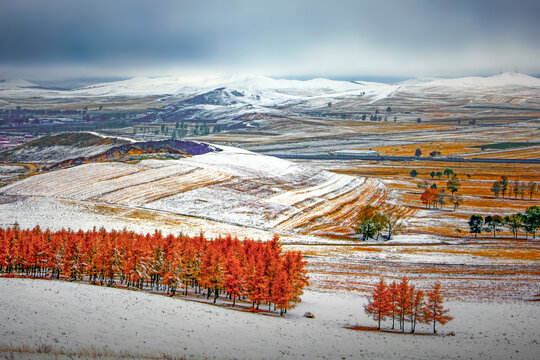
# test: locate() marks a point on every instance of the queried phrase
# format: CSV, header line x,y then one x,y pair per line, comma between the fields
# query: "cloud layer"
x,y
277,38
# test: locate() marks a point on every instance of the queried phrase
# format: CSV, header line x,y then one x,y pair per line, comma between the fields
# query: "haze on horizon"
x,y
66,39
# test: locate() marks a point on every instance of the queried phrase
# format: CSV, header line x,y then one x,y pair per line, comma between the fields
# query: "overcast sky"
x,y
281,38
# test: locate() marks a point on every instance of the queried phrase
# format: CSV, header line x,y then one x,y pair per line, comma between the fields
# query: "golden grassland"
x,y
523,153
506,268
475,179
531,254
390,126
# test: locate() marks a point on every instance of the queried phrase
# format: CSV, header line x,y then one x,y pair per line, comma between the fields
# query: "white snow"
x,y
264,94
70,317
110,136
478,82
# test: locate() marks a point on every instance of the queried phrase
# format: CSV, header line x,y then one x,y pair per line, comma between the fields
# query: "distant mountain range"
x,y
176,85
231,97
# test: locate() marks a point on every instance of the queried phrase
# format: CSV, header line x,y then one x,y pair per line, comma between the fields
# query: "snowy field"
x,y
70,318
233,186
11,171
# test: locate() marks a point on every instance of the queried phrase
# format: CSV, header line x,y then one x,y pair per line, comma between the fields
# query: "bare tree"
x,y
440,199
531,189
522,188
457,201
496,188
393,220
515,188
504,185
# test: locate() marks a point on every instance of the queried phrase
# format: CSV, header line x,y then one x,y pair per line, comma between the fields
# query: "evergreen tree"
x,y
476,223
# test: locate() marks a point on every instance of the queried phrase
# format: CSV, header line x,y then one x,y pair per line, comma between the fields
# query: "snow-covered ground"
x,y
10,171
232,186
268,92
57,153
74,318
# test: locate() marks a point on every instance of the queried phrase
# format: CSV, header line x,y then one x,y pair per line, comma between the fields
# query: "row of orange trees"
x,y
259,271
403,302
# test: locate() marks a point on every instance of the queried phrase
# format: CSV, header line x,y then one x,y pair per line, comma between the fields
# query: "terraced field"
x,y
233,186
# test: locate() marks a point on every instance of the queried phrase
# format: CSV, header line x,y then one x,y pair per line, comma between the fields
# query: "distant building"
x,y
357,152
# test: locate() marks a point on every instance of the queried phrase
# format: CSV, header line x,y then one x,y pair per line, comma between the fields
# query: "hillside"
x,y
76,148
231,185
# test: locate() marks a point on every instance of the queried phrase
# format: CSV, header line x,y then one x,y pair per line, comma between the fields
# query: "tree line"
x,y
403,302
518,188
258,271
529,222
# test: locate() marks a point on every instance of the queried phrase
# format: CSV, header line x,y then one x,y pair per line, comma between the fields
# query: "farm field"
x,y
241,189
249,195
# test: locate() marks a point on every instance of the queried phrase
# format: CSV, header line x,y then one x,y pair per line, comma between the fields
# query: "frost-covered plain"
x,y
73,318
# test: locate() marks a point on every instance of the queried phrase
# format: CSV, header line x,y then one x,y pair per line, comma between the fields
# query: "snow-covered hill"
x,y
181,85
504,80
231,97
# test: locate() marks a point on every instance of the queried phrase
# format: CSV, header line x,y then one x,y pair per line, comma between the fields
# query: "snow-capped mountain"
x,y
231,96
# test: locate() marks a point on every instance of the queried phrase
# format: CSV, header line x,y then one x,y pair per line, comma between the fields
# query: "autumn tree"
x,y
392,300
434,311
371,222
379,306
403,301
260,271
453,184
429,196
416,314
234,279
282,291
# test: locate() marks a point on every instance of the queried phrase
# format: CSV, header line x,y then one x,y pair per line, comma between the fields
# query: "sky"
x,y
66,39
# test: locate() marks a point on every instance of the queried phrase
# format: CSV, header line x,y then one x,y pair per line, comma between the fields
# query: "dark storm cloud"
x,y
401,37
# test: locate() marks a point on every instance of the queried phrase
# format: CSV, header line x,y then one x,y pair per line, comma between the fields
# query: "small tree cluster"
x,y
403,302
430,197
371,222
256,270
517,188
433,198
500,186
528,221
